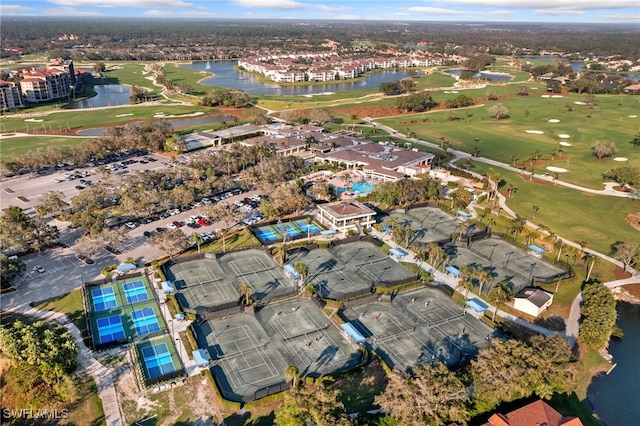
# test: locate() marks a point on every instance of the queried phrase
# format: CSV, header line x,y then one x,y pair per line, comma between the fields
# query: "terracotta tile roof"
x,y
537,413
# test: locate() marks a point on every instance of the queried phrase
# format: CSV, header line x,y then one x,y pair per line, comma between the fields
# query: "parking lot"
x,y
63,272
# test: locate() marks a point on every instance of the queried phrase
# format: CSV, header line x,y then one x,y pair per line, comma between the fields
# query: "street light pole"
x,y
533,265
508,258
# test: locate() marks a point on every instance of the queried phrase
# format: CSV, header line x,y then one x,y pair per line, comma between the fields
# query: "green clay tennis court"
x,y
349,269
430,224
244,359
505,262
417,327
202,283
211,282
250,353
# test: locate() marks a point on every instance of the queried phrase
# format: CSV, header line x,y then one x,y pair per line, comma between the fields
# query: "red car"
x,y
176,223
203,222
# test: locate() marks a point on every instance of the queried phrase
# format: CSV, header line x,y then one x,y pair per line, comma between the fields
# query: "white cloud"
x,y
183,14
328,8
435,10
271,4
9,9
69,11
500,13
558,12
155,4
621,17
551,4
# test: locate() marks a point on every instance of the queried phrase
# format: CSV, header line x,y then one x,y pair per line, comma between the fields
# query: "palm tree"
x,y
483,277
467,286
491,222
535,210
583,245
302,269
246,291
499,295
309,222
420,255
280,253
292,374
409,233
559,245
196,238
593,258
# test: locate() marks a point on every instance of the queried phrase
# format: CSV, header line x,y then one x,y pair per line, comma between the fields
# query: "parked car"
x,y
85,259
130,225
39,269
171,226
58,180
203,222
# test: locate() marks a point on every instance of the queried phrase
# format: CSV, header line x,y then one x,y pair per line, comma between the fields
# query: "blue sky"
x,y
580,11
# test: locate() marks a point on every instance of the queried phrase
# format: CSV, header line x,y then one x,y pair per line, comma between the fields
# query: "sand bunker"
x,y
633,116
545,96
565,144
535,132
580,103
554,120
564,136
124,115
33,120
162,115
557,96
556,169
621,159
450,91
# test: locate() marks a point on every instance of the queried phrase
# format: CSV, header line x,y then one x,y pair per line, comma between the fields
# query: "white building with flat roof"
x,y
345,215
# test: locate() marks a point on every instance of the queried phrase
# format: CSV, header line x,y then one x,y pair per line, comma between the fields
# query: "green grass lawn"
x,y
77,119
503,139
188,76
596,219
18,146
130,73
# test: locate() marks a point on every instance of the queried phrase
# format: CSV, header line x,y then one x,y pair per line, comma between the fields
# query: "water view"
x,y
106,95
227,76
175,123
616,397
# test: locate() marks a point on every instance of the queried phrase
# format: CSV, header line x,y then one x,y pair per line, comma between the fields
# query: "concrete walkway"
x,y
102,375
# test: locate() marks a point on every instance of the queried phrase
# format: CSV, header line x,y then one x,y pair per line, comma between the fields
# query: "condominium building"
x,y
10,96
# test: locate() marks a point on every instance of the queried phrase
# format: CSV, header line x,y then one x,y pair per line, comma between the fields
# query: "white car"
x,y
130,225
171,226
39,269
58,180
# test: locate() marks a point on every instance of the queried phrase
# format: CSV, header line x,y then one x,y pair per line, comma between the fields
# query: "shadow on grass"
x,y
245,419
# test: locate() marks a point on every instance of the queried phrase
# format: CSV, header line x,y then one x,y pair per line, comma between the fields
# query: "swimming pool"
x,y
362,187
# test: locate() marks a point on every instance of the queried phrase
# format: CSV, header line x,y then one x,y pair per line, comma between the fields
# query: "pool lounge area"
x,y
286,231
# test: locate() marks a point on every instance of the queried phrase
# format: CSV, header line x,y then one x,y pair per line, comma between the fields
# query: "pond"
x,y
616,397
176,123
106,95
483,74
225,75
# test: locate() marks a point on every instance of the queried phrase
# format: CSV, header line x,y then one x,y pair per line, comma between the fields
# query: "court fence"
x,y
148,381
552,260
218,311
258,394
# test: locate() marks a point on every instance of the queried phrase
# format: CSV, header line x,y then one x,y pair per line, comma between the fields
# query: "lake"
x,y
106,95
227,76
616,397
176,123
